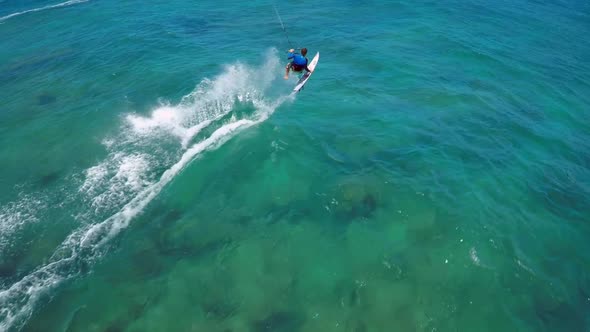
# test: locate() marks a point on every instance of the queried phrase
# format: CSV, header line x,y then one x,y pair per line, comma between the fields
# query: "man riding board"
x,y
298,63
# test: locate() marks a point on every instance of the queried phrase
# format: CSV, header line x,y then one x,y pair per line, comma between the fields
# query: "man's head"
x,y
304,51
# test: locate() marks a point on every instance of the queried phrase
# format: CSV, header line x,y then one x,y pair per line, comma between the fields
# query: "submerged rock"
x,y
356,325
280,321
147,263
8,267
49,178
555,314
355,201
192,25
45,99
217,309
194,238
561,192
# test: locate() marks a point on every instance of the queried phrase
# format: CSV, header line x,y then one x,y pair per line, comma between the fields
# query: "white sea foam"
x,y
125,174
525,267
16,302
94,176
100,233
474,257
210,100
114,180
126,171
15,215
63,4
165,117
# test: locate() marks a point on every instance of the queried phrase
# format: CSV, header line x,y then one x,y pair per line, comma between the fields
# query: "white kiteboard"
x,y
307,74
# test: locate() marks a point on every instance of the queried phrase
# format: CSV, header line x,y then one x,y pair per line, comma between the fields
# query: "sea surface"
x,y
156,174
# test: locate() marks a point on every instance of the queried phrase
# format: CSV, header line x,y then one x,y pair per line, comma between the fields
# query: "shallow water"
x,y
157,175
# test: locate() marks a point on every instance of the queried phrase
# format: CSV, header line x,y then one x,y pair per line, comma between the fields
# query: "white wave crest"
x,y
63,4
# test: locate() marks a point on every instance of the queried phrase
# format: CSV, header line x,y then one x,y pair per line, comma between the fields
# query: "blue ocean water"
x,y
156,174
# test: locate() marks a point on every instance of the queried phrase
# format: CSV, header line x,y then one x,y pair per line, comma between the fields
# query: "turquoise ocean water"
x,y
156,175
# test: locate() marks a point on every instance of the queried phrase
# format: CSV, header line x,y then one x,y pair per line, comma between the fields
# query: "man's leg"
x,y
287,71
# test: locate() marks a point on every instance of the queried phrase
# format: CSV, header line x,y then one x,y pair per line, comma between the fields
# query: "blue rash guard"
x,y
299,61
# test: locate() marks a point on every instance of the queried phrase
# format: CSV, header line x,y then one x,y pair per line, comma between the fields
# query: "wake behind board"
x,y
306,76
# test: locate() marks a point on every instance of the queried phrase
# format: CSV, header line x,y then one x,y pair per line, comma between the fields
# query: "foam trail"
x,y
14,216
63,4
100,233
121,174
85,245
208,103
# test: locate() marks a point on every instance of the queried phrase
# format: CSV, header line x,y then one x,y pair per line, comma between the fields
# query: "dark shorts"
x,y
295,67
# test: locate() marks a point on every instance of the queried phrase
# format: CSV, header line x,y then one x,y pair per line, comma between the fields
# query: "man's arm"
x,y
291,54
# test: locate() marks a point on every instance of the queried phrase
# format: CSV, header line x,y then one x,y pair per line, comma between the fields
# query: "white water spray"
x,y
125,174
